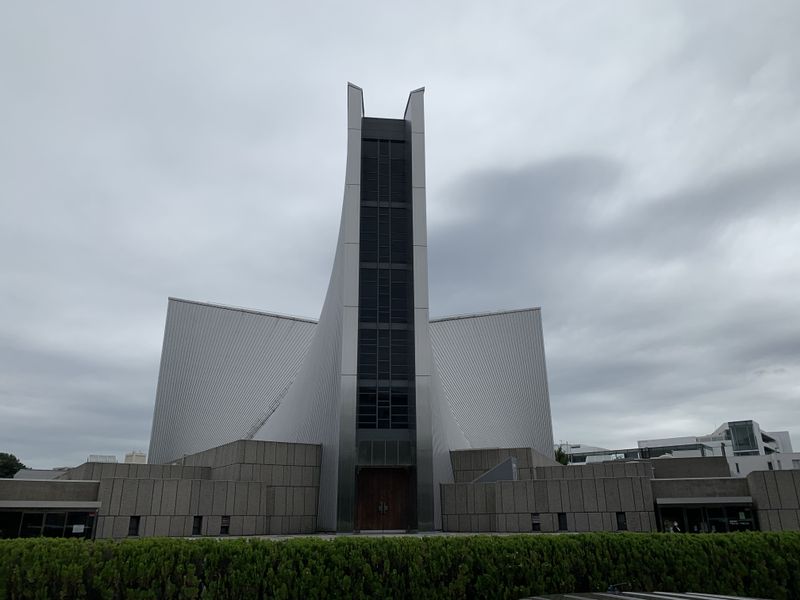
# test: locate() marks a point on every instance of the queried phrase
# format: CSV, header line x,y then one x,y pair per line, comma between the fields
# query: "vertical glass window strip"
x,y
384,234
400,296
384,408
398,170
384,170
399,354
385,342
367,296
384,294
384,357
400,223
400,409
369,234
368,353
367,408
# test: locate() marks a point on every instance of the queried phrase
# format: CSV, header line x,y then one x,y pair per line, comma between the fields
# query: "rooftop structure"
x,y
733,438
108,458
743,444
135,457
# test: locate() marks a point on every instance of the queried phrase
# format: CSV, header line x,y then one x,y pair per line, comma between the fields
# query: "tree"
x,y
561,456
9,465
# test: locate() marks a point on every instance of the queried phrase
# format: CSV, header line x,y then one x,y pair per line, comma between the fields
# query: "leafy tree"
x,y
9,464
561,456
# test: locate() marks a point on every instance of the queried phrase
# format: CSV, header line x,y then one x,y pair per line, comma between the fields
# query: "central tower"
x,y
393,477
364,388
388,483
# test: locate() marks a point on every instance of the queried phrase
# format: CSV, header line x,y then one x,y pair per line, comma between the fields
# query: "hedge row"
x,y
765,565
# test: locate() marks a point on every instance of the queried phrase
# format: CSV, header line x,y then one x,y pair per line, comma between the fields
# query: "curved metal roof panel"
x,y
222,370
493,376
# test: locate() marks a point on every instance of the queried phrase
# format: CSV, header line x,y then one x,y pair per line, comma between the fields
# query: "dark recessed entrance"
x,y
46,523
383,499
708,519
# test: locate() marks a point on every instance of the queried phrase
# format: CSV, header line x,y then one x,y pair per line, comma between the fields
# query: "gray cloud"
x,y
511,228
691,220
645,311
630,168
75,406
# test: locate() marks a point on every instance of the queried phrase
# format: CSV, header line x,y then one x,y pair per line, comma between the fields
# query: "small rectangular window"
x,y
225,526
536,522
737,468
133,526
622,522
197,526
770,467
562,521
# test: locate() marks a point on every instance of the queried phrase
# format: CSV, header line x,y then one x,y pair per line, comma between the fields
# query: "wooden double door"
x,y
384,499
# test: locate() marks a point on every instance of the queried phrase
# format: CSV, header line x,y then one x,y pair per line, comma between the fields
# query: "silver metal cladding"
x,y
228,374
223,370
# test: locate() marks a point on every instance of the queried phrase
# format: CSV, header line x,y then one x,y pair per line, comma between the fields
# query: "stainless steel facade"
x,y
423,357
321,403
500,400
478,381
223,370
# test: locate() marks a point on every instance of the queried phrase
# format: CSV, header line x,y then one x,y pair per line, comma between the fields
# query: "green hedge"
x,y
765,565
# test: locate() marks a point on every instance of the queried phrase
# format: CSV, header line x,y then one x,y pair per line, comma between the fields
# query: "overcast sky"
x,y
632,168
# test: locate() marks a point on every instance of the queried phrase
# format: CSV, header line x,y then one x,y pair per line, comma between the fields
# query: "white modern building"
x,y
387,392
744,444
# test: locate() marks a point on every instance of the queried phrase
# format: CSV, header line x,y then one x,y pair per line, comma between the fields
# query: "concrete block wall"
x,y
691,467
275,463
508,506
264,487
97,471
468,465
776,499
595,470
713,487
50,490
168,507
